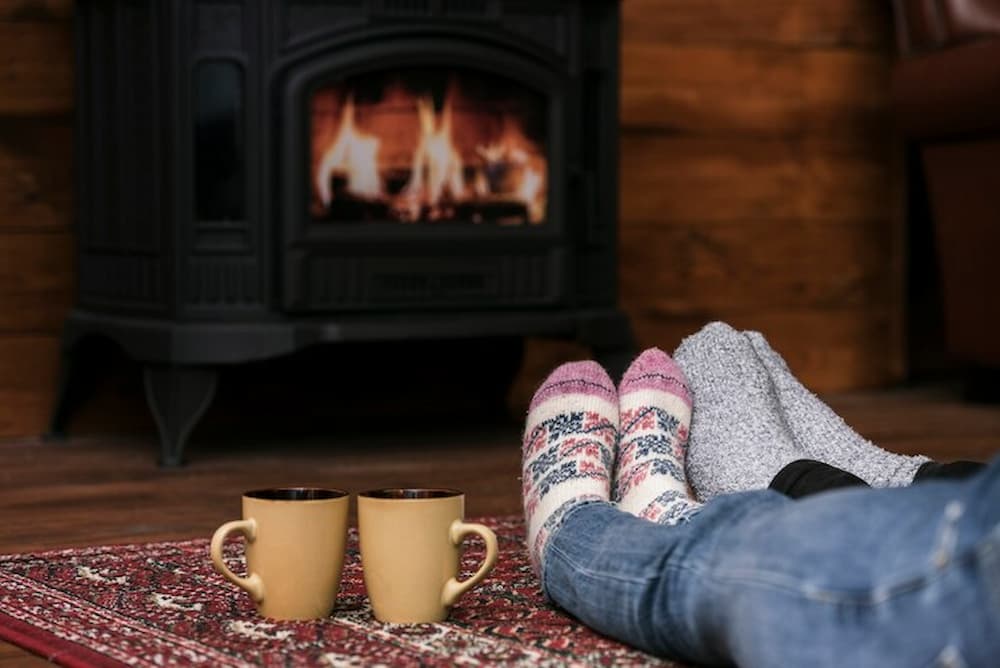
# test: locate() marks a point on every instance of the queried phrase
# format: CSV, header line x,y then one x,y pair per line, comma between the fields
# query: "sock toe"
x,y
586,377
655,370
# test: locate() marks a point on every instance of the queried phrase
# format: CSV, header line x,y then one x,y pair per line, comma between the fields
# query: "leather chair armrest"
x,y
928,25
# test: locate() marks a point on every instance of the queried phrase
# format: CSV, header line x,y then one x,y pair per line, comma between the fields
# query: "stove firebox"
x,y
254,177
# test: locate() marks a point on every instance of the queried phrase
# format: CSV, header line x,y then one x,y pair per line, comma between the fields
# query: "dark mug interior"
x,y
410,493
296,494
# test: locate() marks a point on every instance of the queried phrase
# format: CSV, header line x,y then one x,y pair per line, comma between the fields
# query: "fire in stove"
x,y
431,145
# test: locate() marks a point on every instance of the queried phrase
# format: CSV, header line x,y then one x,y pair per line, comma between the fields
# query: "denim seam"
x,y
988,553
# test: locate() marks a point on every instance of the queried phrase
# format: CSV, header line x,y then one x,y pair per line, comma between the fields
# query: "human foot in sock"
x,y
823,434
655,409
569,444
738,439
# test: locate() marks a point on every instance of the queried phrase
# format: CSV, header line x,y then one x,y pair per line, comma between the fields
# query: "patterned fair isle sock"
x,y
824,435
739,440
655,407
569,444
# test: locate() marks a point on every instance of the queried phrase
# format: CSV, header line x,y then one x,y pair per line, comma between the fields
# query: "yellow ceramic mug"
x,y
295,543
410,543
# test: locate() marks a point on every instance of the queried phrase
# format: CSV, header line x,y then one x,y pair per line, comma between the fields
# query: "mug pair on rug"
x,y
410,542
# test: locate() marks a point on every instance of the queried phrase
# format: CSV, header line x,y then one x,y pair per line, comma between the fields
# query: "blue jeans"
x,y
857,577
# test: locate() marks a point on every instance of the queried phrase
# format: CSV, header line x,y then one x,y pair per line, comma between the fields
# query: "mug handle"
x,y
454,588
252,584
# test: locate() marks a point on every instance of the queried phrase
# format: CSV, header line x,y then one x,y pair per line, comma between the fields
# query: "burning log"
x,y
346,206
494,211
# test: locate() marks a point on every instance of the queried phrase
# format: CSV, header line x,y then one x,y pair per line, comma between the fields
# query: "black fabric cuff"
x,y
953,470
807,476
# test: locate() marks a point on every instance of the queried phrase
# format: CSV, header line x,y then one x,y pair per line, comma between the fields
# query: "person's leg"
x,y
655,407
866,577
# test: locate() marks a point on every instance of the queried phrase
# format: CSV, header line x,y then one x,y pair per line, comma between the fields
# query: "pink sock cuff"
x,y
585,377
656,370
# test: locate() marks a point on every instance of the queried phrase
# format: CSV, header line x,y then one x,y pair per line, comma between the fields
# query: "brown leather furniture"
x,y
946,93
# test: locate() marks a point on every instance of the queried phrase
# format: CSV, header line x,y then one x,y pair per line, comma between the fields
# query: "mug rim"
x,y
410,493
296,494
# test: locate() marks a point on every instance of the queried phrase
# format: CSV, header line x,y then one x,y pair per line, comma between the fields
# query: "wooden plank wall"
x,y
758,186
758,181
36,258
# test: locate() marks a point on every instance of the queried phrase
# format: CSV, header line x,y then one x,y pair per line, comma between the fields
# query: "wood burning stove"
x,y
255,177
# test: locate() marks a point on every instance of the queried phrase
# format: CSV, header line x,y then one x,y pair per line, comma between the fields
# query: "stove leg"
x,y
177,396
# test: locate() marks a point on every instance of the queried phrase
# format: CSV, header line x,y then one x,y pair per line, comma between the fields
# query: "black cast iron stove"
x,y
258,176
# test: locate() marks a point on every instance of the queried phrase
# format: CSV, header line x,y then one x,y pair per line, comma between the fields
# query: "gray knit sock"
x,y
738,438
824,435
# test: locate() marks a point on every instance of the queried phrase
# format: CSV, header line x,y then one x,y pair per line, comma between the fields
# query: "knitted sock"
x,y
824,435
739,440
655,407
569,444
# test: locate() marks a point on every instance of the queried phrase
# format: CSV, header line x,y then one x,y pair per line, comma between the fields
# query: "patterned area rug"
x,y
162,604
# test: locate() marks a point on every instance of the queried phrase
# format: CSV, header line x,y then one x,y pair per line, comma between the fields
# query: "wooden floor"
x,y
89,491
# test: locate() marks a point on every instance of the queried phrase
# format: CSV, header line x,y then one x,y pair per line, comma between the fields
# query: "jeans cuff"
x,y
552,534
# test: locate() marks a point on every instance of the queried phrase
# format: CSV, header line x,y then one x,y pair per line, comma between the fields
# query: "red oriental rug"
x,y
162,604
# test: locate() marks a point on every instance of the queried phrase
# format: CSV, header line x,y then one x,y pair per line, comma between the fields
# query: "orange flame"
x,y
437,165
353,154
